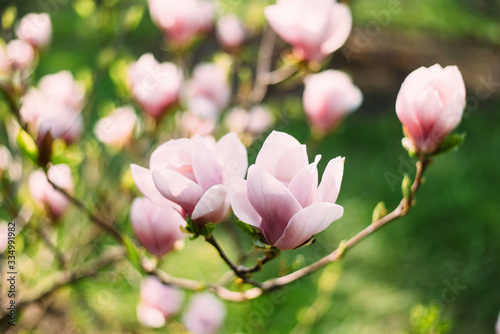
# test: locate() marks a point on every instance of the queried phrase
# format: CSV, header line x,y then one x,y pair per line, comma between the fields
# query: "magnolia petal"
x,y
304,183
144,181
177,188
232,156
272,201
241,204
329,188
308,222
212,207
206,168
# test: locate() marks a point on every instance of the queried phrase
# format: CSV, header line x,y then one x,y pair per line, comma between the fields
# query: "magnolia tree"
x,y
186,128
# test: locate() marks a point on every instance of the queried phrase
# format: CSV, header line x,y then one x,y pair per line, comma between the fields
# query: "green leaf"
x,y
27,145
207,230
451,143
132,253
253,233
379,211
406,187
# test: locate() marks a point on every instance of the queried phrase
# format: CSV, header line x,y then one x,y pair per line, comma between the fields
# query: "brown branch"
x,y
263,65
66,277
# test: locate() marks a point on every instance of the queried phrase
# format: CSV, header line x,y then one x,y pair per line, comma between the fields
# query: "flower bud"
x,y
154,86
182,20
116,129
230,31
158,228
45,195
205,314
21,54
35,29
158,302
328,97
430,105
315,28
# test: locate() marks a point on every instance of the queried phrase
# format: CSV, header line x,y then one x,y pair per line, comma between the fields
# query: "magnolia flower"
x,y
205,314
497,327
155,86
20,54
315,28
230,31
182,20
194,174
328,97
430,105
208,91
45,195
35,29
55,106
158,228
191,124
254,122
158,301
116,129
281,197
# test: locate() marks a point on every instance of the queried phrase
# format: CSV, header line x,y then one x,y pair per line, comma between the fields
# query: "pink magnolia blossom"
x,y
155,86
45,195
158,301
230,31
55,106
315,28
430,105
191,124
281,196
20,54
116,129
254,122
497,327
158,228
182,20
208,91
194,174
205,314
35,29
328,97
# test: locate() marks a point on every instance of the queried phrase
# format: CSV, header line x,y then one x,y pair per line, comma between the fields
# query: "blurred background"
x,y
434,271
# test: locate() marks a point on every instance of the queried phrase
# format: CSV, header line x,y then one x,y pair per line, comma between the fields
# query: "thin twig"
x,y
263,65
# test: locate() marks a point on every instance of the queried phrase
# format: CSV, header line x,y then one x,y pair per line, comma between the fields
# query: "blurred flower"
x,y
55,106
205,314
45,195
281,196
158,228
158,301
194,173
21,54
315,28
191,124
430,105
155,86
208,91
116,129
253,122
328,97
5,159
230,31
182,20
4,236
35,29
